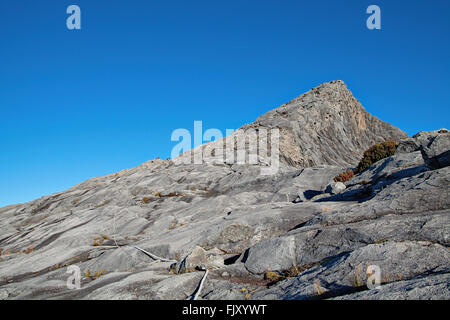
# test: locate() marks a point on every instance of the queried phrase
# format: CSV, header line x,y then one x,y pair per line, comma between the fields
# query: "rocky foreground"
x,y
151,232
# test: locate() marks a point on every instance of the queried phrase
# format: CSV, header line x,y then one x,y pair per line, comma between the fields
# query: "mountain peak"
x,y
326,125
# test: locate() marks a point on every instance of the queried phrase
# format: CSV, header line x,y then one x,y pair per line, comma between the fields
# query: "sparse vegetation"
x,y
173,225
376,153
382,240
344,176
160,195
247,293
274,277
357,282
292,272
175,194
146,200
28,250
373,154
95,275
97,241
24,251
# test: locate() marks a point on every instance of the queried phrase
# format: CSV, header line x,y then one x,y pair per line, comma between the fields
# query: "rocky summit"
x,y
219,230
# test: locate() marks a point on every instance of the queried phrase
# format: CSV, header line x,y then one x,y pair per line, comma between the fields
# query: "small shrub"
x,y
97,241
146,200
173,225
28,250
98,274
5,252
382,240
344,176
24,251
357,282
175,194
376,153
95,275
273,277
292,272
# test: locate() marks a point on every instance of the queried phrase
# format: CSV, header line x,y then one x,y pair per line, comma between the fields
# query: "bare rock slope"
x,y
326,125
151,231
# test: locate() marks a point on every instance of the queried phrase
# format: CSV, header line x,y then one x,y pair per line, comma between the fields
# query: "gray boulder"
x,y
202,259
407,145
335,188
437,153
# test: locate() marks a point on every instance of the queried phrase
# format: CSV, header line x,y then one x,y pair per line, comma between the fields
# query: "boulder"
x,y
335,188
437,153
407,145
199,258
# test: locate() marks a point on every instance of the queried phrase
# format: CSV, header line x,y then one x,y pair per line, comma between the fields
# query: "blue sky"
x,y
84,103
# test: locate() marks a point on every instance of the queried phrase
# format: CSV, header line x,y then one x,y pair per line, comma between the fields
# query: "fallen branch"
x,y
154,257
200,286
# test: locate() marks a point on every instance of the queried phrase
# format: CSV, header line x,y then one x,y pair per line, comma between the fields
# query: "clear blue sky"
x,y
79,104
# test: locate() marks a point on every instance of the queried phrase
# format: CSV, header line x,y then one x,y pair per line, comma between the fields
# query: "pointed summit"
x,y
326,125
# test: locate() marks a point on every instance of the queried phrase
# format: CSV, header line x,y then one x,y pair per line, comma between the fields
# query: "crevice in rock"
x,y
232,260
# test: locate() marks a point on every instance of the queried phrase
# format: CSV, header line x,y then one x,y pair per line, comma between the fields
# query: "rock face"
x,y
148,232
326,125
436,153
199,258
